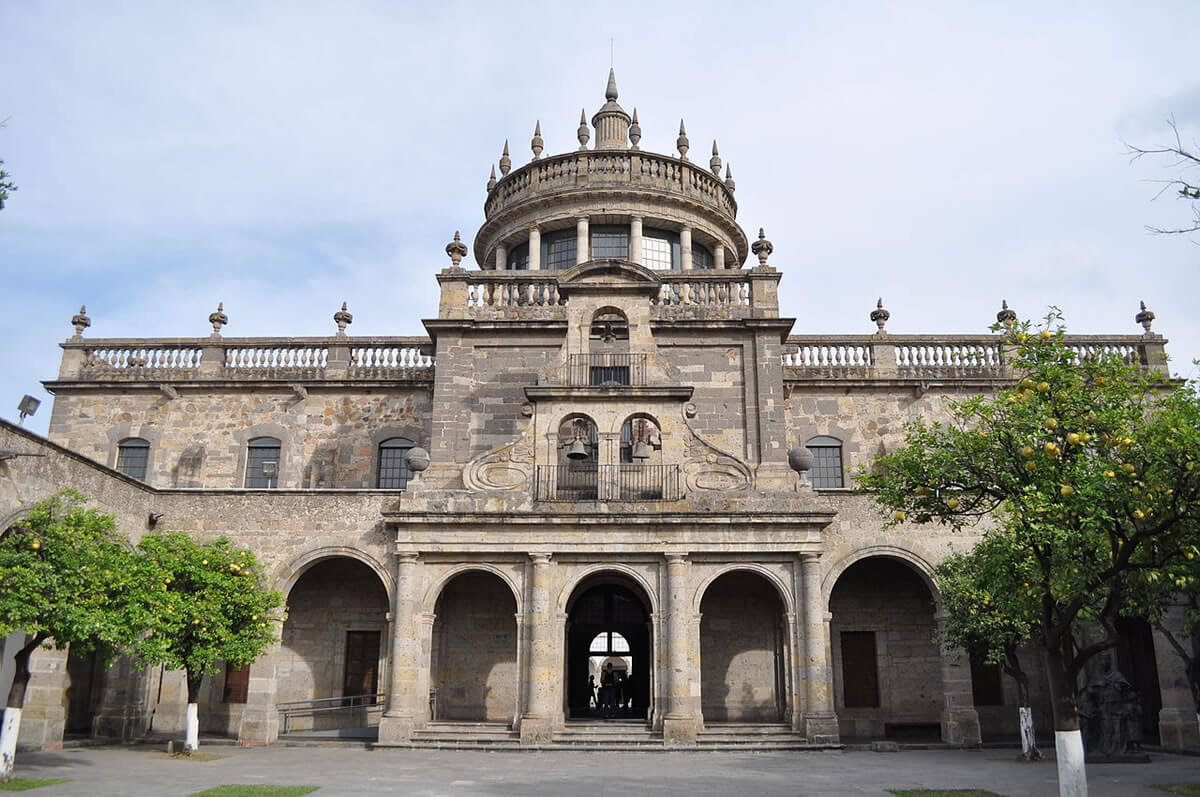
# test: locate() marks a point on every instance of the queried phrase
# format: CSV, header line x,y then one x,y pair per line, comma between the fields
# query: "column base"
x,y
960,728
258,726
123,724
680,730
1179,729
822,729
536,731
395,729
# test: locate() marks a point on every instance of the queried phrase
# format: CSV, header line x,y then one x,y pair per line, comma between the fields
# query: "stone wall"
x,y
741,650
474,663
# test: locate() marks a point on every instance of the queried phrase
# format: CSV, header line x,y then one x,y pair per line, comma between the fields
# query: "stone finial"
x,y
880,316
681,143
505,161
1006,316
729,183
492,180
714,162
584,132
457,250
635,131
610,91
218,319
1145,318
81,321
342,318
536,143
762,248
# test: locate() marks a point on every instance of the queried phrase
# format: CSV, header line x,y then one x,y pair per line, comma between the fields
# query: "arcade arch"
x,y
609,623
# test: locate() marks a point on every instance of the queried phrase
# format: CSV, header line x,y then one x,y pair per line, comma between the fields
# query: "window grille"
x,y
827,462
394,471
262,463
132,456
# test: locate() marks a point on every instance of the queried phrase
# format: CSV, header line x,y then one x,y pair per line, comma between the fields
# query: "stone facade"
x,y
597,430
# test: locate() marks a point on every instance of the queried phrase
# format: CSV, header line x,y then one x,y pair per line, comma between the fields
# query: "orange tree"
x,y
1090,469
207,603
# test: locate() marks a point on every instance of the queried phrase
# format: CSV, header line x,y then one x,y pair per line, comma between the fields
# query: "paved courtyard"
x,y
144,771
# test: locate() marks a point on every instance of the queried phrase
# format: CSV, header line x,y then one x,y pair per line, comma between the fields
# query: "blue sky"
x,y
285,157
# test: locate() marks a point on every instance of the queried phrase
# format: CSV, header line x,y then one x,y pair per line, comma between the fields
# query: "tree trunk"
x,y
191,742
1012,666
1068,740
10,725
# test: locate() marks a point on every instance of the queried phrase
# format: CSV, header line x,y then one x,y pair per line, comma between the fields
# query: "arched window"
x,y
262,463
132,455
827,462
640,439
394,472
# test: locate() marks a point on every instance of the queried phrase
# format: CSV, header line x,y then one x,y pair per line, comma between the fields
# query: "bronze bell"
x,y
577,450
641,450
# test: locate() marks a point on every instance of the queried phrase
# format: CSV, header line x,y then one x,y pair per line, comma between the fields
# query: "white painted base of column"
x,y
10,726
1072,777
191,741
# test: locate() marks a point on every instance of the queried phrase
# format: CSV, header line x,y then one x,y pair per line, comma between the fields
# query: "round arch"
x,y
568,590
430,598
918,563
785,596
286,575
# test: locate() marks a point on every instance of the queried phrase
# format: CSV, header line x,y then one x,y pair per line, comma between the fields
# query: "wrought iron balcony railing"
x,y
587,481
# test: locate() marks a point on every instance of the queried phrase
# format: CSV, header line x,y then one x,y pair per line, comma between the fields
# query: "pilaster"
x,y
960,720
407,703
820,721
1178,721
259,722
681,694
124,713
537,723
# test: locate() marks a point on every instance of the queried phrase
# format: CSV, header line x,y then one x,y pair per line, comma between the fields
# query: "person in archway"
x,y
608,690
592,692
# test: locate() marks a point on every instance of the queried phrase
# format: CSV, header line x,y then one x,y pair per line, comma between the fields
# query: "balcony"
x,y
587,481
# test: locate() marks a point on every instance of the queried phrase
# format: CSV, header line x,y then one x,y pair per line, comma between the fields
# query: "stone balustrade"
x,y
246,359
942,356
610,169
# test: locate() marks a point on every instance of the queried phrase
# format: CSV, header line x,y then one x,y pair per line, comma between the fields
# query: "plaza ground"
x,y
137,771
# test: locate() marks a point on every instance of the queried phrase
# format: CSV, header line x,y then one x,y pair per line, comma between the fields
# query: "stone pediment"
x,y
609,276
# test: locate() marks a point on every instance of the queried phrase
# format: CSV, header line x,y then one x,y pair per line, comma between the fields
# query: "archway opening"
x,y
743,660
474,656
334,645
608,647
887,665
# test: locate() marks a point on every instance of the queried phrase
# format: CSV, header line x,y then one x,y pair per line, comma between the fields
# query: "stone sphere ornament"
x,y
800,459
418,459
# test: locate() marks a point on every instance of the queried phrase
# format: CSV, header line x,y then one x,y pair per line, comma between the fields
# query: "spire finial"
x,y
492,180
81,321
635,132
762,248
1145,318
505,161
218,319
681,143
729,183
610,91
880,316
342,318
536,144
583,133
1006,316
714,162
457,250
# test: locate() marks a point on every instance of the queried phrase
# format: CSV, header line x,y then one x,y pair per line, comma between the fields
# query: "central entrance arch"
x,y
608,637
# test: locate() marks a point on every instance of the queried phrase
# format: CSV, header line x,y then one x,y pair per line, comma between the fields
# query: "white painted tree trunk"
x,y
191,742
10,726
1072,778
1025,721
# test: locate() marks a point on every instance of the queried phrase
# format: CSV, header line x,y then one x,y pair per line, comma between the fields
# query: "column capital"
x,y
540,559
810,558
676,558
407,557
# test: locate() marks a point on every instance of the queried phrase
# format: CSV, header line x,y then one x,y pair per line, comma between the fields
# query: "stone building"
x,y
584,464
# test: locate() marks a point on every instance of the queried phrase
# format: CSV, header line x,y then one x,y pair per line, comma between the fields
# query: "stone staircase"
x,y
607,735
754,737
461,736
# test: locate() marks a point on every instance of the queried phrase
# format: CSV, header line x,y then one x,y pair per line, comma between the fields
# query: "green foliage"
x,y
1090,467
66,574
256,791
26,784
6,186
207,603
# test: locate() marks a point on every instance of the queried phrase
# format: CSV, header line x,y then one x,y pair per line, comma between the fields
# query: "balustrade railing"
x,y
604,370
387,359
586,481
143,359
262,360
702,289
507,290
949,358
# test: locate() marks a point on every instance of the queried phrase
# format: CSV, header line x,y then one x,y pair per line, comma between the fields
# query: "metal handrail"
x,y
293,708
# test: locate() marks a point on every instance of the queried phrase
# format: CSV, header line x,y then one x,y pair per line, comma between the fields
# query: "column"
x,y
535,249
501,257
820,722
406,705
635,239
960,721
1178,723
681,718
537,723
582,241
685,248
719,256
259,723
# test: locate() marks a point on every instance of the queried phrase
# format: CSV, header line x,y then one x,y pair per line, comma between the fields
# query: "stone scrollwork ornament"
x,y
709,467
507,467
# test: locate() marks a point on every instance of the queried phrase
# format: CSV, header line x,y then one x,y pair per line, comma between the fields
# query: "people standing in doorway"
x,y
592,692
608,691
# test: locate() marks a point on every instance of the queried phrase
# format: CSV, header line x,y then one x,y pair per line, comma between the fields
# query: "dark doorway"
x,y
608,625
1137,662
362,664
85,671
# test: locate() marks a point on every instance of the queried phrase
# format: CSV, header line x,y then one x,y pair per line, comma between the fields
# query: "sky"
x,y
284,157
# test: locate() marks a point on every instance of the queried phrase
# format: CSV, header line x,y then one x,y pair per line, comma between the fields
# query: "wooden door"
x,y
362,664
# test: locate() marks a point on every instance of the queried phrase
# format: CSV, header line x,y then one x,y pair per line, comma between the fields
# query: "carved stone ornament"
x,y
457,250
418,459
80,321
508,467
1006,316
879,315
342,318
218,319
1145,318
762,248
708,467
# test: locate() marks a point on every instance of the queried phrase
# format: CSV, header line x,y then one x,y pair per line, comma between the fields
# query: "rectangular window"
x,y
394,472
610,242
237,684
985,683
132,456
262,464
362,666
658,253
860,672
827,466
559,251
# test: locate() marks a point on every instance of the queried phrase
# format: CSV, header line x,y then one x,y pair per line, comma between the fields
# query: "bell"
x,y
641,450
577,450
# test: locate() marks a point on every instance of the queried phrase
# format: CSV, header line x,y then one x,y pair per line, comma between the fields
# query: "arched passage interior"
x,y
886,663
608,623
334,641
743,663
474,656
